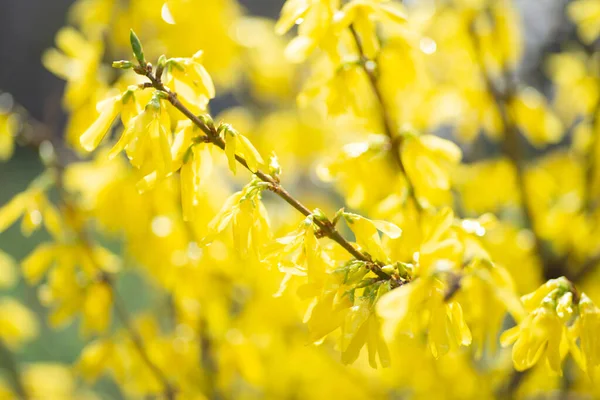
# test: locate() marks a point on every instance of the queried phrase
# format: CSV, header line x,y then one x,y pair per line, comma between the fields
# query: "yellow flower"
x,y
238,144
361,13
440,249
77,64
589,328
367,235
361,326
96,309
428,161
17,323
8,130
300,254
93,359
345,90
109,110
189,79
5,391
147,137
172,20
72,286
586,15
487,292
327,313
250,316
352,169
37,263
555,194
194,176
536,120
248,218
34,209
48,381
148,140
478,184
314,18
540,334
271,77
577,86
419,307
499,33
8,272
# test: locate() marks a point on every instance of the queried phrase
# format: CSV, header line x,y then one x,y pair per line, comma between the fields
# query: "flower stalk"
x,y
327,228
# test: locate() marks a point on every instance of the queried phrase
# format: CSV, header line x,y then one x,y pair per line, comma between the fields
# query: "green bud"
x,y
161,95
349,217
388,269
207,120
337,216
160,65
366,282
274,167
319,215
154,103
128,95
123,64
188,155
174,63
226,129
405,270
136,46
384,288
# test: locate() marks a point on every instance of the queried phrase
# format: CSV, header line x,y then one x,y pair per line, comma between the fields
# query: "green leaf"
x,y
136,46
123,64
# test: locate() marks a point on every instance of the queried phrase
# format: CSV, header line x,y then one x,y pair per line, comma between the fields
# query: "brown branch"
x,y
586,269
370,68
553,266
9,363
510,145
34,135
208,361
454,285
138,342
212,135
515,380
82,236
590,204
511,148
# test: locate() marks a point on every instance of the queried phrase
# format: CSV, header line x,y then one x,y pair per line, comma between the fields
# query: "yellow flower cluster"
x,y
558,317
259,287
8,128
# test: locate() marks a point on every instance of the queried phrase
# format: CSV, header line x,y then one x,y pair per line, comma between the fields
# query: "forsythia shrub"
x,y
437,279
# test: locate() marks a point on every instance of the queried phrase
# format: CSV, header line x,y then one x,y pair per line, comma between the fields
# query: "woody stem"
x,y
326,226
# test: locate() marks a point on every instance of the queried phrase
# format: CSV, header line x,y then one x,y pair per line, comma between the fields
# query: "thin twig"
x,y
455,283
9,363
512,150
138,342
515,380
370,68
510,145
33,136
326,226
589,203
121,311
586,269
